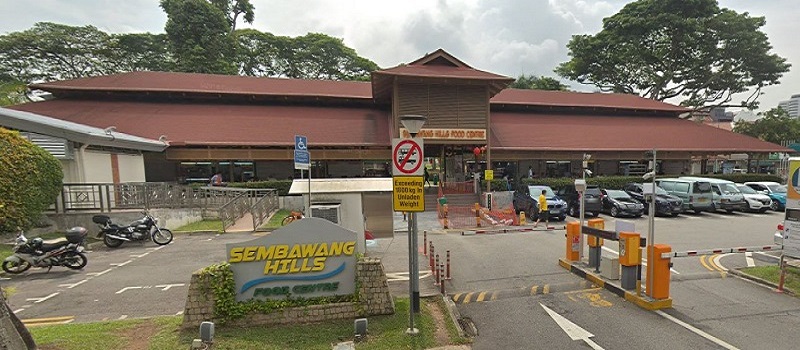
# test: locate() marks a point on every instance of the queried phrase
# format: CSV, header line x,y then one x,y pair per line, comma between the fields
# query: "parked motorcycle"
x,y
36,253
143,229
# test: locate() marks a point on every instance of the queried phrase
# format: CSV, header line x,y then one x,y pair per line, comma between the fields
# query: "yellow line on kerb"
x,y
467,297
481,297
534,289
47,321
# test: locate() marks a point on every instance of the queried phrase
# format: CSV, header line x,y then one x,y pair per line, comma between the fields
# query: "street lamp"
x,y
413,123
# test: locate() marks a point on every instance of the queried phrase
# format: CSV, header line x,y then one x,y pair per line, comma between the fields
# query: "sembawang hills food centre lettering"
x,y
309,258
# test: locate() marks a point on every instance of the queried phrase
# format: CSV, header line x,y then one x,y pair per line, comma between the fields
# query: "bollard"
x,y
436,275
430,257
448,266
522,218
477,215
425,242
441,282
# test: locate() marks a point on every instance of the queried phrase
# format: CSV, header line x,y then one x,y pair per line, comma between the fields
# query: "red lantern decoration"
x,y
477,151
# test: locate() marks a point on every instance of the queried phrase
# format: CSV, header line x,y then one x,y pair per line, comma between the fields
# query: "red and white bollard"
x,y
436,276
441,282
430,257
425,242
448,266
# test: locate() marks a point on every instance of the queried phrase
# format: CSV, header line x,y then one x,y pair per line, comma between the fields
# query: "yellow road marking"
x,y
494,296
596,300
481,296
534,289
546,289
467,297
583,290
713,264
455,297
48,321
703,262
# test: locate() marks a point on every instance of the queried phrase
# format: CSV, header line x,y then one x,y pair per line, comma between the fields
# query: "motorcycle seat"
x,y
46,247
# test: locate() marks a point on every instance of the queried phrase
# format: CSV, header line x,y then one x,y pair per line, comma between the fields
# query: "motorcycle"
x,y
36,253
145,228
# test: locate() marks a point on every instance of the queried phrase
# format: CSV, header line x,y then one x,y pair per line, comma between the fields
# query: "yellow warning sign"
x,y
488,174
408,193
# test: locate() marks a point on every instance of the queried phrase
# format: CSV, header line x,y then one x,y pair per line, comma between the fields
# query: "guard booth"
x,y
356,204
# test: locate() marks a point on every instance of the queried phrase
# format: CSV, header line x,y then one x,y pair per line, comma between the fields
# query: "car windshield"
x,y
777,188
660,190
746,189
729,189
537,190
617,194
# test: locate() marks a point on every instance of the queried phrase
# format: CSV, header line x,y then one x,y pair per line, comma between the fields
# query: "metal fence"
x,y
263,207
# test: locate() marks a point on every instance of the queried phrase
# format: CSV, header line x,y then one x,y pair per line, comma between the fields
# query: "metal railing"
x,y
234,210
263,207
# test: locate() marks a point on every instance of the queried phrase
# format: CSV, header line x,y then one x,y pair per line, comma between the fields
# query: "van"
x,y
726,195
696,195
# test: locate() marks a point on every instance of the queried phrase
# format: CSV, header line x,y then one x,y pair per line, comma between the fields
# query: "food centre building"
x,y
245,126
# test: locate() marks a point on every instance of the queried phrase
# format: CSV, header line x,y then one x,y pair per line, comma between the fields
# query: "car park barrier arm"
x,y
722,251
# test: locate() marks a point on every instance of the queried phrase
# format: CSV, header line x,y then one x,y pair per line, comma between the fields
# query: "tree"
x,y
664,49
30,181
198,37
12,91
533,82
141,51
235,8
776,126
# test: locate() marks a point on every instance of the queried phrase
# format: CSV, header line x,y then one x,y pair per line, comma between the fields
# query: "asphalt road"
x,y
500,282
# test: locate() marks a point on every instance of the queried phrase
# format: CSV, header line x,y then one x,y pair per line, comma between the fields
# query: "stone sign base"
x,y
373,289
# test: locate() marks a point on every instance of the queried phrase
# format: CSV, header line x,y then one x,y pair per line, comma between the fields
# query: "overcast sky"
x,y
508,37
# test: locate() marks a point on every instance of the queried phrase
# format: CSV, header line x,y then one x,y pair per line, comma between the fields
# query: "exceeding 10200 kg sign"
x,y
408,193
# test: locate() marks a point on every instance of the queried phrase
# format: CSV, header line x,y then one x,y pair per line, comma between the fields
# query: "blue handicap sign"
x,y
300,143
301,157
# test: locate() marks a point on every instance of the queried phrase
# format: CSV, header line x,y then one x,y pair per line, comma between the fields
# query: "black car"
x,y
666,204
526,199
572,197
620,203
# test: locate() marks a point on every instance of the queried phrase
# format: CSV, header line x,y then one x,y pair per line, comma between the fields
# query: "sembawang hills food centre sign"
x,y
308,258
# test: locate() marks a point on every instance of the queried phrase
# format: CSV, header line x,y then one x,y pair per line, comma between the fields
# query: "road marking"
x,y
403,276
48,321
127,288
534,289
19,310
748,256
166,287
122,317
39,300
4,278
481,297
694,330
179,313
466,298
139,255
99,273
718,264
73,285
455,297
546,289
494,296
703,262
121,264
573,331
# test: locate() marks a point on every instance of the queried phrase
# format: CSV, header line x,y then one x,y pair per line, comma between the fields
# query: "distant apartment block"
x,y
792,106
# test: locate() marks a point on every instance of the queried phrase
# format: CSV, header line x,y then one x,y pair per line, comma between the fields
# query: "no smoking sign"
x,y
407,157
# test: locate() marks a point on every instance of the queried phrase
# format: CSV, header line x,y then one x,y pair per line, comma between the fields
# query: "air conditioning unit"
x,y
330,212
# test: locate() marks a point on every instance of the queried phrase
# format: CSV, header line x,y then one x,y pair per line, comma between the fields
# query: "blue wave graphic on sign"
x,y
256,282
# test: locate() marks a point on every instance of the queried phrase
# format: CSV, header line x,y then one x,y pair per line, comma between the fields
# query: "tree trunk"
x,y
13,334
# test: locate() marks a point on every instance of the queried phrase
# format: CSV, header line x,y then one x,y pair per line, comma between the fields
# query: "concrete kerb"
x,y
644,302
759,280
454,314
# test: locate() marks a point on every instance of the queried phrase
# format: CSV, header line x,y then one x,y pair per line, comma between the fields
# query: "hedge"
x,y
30,181
616,182
282,186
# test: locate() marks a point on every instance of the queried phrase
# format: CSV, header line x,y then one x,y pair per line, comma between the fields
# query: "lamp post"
x,y
413,123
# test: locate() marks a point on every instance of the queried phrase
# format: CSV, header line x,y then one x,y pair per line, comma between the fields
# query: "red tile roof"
x,y
223,125
609,133
580,99
444,72
212,84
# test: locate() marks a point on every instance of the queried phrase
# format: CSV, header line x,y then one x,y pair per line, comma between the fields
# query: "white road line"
x,y
716,261
165,287
98,273
39,300
123,317
748,256
179,313
768,255
694,330
139,255
73,285
127,288
121,264
19,310
644,261
4,278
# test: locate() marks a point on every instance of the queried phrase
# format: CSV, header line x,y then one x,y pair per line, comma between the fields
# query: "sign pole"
x,y
651,227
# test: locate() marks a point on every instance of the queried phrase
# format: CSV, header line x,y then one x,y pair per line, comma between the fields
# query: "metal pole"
x,y
308,213
414,272
583,213
651,230
411,329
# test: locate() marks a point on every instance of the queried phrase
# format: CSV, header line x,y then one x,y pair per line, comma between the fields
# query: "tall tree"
x,y
664,49
775,126
141,51
198,36
533,82
235,8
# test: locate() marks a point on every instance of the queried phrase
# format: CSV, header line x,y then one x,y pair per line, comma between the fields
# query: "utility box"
x,y
609,267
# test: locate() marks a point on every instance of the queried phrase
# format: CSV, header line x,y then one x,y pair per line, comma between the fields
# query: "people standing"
x,y
543,210
530,171
216,180
426,177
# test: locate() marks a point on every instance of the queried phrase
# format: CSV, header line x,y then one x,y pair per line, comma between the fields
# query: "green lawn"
x,y
385,332
773,274
275,221
203,225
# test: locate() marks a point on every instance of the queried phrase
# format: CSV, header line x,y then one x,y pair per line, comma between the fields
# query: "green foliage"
x,y
30,180
235,8
12,92
533,82
198,37
775,126
282,186
664,49
772,274
226,308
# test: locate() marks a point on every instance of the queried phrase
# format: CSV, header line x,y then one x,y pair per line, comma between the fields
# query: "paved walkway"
x,y
245,224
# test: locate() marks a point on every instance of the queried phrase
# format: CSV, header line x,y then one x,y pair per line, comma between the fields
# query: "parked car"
x,y
725,195
526,198
696,195
593,203
774,190
666,204
756,202
620,203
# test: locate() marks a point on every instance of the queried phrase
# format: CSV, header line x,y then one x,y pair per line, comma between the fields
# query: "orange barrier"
x,y
466,216
464,187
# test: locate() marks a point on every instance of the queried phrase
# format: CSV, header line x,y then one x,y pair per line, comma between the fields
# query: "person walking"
x,y
543,210
426,177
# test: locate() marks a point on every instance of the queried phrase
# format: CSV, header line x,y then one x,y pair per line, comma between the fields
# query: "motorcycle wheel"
x,y
16,268
74,260
163,237
112,242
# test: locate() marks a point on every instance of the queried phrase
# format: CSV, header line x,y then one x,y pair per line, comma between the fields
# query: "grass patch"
x,y
276,219
385,332
791,281
202,225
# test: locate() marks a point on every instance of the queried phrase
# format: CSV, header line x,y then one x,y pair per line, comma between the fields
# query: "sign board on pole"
x,y
407,157
488,174
408,193
302,160
793,184
791,233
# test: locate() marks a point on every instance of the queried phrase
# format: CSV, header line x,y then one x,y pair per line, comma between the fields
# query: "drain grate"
x,y
468,326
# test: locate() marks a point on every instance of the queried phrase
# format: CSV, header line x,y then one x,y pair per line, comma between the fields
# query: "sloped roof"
x,y
75,132
524,97
542,132
226,125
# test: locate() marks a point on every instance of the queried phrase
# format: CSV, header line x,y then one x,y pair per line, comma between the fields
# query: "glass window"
x,y
701,187
682,187
746,189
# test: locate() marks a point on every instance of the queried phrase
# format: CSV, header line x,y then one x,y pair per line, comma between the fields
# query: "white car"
x,y
756,202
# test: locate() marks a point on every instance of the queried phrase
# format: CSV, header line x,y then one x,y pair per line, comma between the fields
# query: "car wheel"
x,y
562,218
729,211
774,205
763,210
573,212
697,211
594,214
614,211
713,208
675,214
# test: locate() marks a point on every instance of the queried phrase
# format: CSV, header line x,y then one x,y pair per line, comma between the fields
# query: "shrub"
x,y
282,186
30,180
